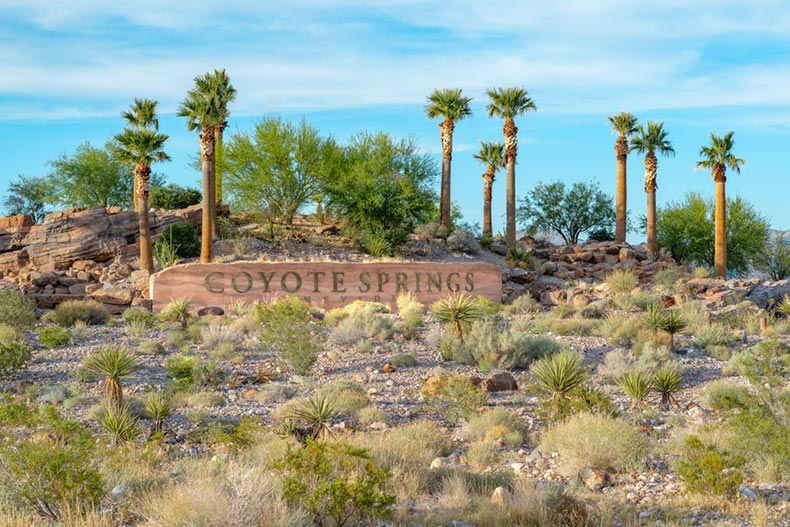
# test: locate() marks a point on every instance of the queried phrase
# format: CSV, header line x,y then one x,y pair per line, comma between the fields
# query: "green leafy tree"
x,y
717,158
173,197
624,125
385,187
278,167
567,212
648,142
775,259
452,106
91,177
492,156
142,147
686,229
30,196
508,103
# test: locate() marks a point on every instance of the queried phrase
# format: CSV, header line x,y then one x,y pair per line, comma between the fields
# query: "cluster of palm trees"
x,y
505,103
653,140
508,103
140,143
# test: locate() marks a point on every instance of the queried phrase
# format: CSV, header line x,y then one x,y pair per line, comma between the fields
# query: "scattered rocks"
x,y
595,478
499,382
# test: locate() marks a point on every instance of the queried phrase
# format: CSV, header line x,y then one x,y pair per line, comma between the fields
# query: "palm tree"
x,y
450,104
492,156
717,157
202,112
141,115
623,124
143,148
649,142
217,87
508,103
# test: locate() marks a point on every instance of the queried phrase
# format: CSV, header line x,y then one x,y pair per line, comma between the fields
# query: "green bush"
x,y
54,336
173,197
335,482
453,397
52,465
16,309
287,327
139,316
68,313
14,354
183,237
759,435
708,470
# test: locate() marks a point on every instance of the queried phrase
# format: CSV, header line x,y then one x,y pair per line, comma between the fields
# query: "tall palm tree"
x,y
202,112
623,124
508,103
492,156
217,87
140,116
648,142
143,148
717,158
453,106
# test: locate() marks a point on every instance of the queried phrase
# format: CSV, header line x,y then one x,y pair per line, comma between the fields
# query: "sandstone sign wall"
x,y
325,284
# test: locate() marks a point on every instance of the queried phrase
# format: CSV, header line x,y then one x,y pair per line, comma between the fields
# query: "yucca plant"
x,y
177,311
668,321
666,382
458,311
316,414
157,408
783,307
119,423
559,374
113,363
636,385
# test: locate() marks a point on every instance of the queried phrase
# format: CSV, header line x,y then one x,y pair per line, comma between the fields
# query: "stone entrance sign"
x,y
324,284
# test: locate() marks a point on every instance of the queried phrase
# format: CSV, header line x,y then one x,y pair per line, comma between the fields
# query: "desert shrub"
x,y
347,397
708,470
593,312
616,363
287,327
52,465
463,241
759,436
621,281
708,336
335,481
695,314
569,326
14,353
519,256
183,237
453,397
523,305
410,310
361,321
193,371
621,331
668,278
54,336
16,309
216,335
431,230
151,347
585,440
173,197
138,316
370,414
70,312
527,350
205,399
563,310
377,245
492,343
498,424
275,392
404,360
636,385
649,339
652,357
724,395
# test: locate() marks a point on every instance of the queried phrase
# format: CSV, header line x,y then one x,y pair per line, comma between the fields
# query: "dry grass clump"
x,y
498,425
620,330
409,309
69,312
621,281
524,304
359,321
585,440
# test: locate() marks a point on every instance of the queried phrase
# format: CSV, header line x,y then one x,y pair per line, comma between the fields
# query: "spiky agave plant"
x,y
674,323
119,423
316,414
636,385
113,363
559,375
177,311
458,311
666,382
157,408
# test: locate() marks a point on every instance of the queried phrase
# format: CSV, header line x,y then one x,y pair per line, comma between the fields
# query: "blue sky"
x,y
70,68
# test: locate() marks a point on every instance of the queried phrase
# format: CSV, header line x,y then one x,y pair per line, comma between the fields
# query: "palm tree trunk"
x,y
488,183
142,175
511,151
720,242
207,157
621,150
446,127
651,168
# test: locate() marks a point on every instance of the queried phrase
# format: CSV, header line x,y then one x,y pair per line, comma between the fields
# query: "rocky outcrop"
x,y
98,234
